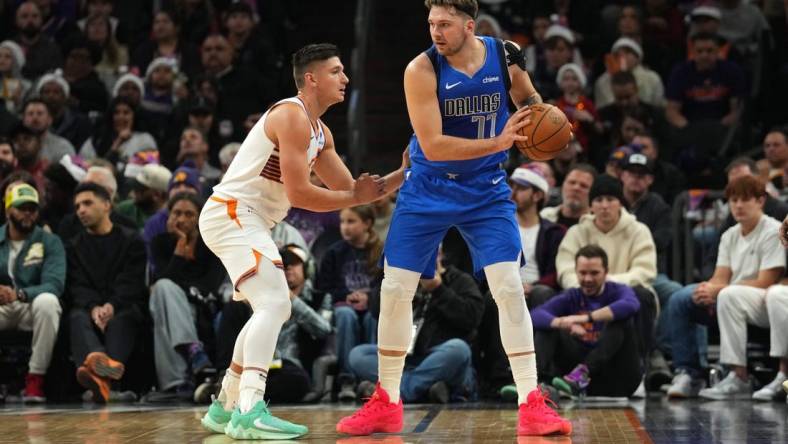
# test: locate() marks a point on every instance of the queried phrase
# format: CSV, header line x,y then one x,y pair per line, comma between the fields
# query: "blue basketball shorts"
x,y
429,203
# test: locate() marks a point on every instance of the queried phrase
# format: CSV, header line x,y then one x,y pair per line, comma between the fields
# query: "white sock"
x,y
228,396
252,389
390,374
524,373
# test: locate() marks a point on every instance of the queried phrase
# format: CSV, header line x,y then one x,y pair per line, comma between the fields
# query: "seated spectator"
x,y
184,299
185,179
118,137
242,91
87,89
149,194
705,88
579,109
36,116
101,8
708,18
33,265
775,151
27,148
616,161
587,333
554,194
772,207
42,54
165,42
565,160
7,158
194,147
200,113
574,197
67,122
56,21
61,179
626,101
70,225
535,51
627,55
349,272
750,260
106,290
99,30
559,50
13,87
129,85
288,380
668,181
663,35
540,237
160,99
438,367
629,246
253,48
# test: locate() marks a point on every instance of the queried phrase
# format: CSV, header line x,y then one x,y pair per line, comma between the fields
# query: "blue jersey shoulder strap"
x,y
432,54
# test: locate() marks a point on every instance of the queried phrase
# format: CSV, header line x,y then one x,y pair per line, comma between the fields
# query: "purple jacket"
x,y
619,298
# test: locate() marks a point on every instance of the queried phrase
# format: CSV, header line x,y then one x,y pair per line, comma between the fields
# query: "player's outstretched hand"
x,y
368,188
511,132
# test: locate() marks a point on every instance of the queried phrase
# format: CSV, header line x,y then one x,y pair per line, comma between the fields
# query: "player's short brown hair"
x,y
467,7
745,187
305,56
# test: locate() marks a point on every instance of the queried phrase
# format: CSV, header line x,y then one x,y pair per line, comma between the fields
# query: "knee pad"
x,y
509,295
397,290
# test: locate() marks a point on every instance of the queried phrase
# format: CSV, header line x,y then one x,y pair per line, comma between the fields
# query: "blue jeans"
x,y
688,331
449,362
664,288
353,328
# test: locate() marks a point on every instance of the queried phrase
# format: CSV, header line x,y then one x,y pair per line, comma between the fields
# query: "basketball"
x,y
548,133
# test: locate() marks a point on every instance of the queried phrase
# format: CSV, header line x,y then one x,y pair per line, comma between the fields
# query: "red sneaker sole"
x,y
545,429
386,428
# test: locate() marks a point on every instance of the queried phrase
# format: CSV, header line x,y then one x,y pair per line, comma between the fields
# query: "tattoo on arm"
x,y
532,99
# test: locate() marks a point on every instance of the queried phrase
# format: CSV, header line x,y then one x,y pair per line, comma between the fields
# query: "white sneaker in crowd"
x,y
770,390
729,388
685,386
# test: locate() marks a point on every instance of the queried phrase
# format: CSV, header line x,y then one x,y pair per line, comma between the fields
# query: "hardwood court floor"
x,y
652,421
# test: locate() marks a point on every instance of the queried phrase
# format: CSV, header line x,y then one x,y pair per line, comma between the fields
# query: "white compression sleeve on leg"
x,y
517,333
269,297
395,325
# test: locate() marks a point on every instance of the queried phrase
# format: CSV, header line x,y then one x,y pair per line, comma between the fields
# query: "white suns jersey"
x,y
254,177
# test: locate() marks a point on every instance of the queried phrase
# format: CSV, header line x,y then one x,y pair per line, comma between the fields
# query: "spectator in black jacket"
x,y
349,272
41,52
105,285
668,181
637,175
187,280
241,90
447,310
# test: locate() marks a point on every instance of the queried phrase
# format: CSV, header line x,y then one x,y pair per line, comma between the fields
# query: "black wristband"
x,y
590,319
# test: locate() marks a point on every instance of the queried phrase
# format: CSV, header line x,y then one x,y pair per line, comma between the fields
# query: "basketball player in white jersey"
x,y
270,174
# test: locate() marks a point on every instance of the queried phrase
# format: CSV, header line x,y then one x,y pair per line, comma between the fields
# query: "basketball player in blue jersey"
x,y
458,94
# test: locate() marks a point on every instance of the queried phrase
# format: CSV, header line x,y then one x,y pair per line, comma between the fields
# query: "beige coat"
x,y
632,255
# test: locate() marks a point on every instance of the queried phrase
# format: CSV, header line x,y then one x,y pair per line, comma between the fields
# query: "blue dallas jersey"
x,y
471,107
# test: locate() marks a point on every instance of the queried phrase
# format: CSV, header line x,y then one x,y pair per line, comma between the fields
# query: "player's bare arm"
x,y
289,129
333,172
523,92
330,168
425,116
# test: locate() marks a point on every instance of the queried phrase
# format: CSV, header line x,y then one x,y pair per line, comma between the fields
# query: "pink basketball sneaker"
x,y
536,418
377,415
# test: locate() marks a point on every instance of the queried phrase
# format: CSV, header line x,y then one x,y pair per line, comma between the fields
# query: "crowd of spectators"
x,y
109,144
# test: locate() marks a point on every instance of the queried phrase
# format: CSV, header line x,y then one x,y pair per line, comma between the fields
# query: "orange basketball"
x,y
548,133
